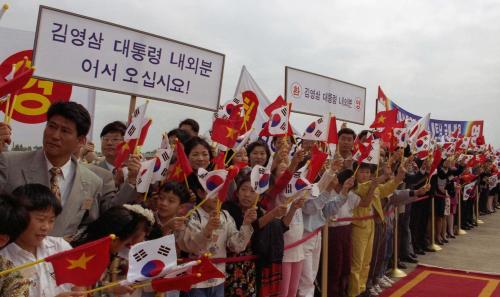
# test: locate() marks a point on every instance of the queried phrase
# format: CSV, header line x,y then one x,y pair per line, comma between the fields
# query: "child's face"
x,y
363,175
210,205
246,195
41,223
241,156
168,204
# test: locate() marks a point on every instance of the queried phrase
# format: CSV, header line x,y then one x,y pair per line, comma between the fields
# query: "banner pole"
x,y
131,107
460,230
433,246
324,264
396,272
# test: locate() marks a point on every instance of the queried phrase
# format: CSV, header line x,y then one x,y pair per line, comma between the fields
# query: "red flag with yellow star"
x,y
182,167
225,132
83,265
385,119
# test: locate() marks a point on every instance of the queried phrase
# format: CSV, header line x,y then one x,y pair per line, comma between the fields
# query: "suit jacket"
x,y
110,195
81,207
104,165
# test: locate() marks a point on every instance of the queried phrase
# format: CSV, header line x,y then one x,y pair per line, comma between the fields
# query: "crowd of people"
x,y
65,195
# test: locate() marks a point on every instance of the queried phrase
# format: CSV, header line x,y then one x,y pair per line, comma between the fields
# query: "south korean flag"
x,y
261,176
162,162
151,259
317,130
224,111
136,123
278,121
468,190
298,182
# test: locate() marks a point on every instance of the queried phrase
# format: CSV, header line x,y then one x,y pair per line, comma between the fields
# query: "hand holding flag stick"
x,y
5,7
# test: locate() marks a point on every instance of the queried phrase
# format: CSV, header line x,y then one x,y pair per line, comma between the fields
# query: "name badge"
x,y
87,203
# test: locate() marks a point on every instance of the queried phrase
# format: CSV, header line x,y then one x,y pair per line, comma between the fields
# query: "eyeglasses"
x,y
111,139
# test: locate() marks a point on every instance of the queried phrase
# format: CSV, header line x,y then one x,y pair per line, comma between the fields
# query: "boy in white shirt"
x,y
34,244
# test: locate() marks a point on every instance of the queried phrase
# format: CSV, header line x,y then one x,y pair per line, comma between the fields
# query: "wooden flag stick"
x,y
11,111
17,268
7,109
190,212
110,285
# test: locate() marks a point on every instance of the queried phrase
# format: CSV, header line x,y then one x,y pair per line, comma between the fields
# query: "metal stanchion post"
x,y
460,230
324,265
396,272
433,246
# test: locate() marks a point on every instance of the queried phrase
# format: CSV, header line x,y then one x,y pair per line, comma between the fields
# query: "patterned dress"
x,y
12,284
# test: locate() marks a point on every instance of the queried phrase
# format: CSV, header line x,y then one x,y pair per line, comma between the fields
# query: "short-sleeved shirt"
x,y
41,276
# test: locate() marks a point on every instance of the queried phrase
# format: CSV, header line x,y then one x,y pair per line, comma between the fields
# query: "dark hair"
x,y
368,166
347,131
182,135
242,177
258,143
116,220
37,197
194,141
362,134
74,112
14,218
344,175
177,189
192,123
115,126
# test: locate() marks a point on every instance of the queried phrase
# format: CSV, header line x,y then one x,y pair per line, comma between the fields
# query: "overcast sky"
x,y
432,56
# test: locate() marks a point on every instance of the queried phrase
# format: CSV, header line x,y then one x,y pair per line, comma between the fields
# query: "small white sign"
x,y
93,53
318,95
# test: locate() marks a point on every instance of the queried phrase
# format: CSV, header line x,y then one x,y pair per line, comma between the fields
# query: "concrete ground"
x,y
478,250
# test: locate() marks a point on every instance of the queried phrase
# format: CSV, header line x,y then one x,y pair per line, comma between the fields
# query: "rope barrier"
x,y
304,239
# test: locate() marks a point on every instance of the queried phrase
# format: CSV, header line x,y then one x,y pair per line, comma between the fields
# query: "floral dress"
x,y
12,284
240,276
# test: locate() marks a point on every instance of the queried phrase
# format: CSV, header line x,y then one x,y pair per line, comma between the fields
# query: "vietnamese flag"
x,y
437,157
83,265
332,131
318,158
385,119
204,271
224,132
219,160
182,167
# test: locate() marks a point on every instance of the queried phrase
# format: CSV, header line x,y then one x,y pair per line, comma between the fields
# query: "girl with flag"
x,y
214,231
245,278
130,224
13,221
33,244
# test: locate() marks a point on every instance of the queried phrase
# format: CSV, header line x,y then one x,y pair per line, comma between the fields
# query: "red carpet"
x,y
427,281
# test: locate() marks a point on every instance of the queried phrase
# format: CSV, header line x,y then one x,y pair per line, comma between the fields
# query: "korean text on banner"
x,y
315,94
114,58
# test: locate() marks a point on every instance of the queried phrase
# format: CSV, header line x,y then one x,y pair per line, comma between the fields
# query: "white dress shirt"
x,y
41,276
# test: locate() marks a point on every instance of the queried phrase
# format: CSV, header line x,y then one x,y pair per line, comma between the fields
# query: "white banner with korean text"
x,y
89,52
318,95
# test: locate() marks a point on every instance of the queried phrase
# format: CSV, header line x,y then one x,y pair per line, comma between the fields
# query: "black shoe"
x,y
474,224
409,260
402,266
414,256
420,252
465,227
439,242
451,236
445,240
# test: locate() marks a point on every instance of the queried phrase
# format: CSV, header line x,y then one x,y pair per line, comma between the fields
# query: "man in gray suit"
x,y
54,166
